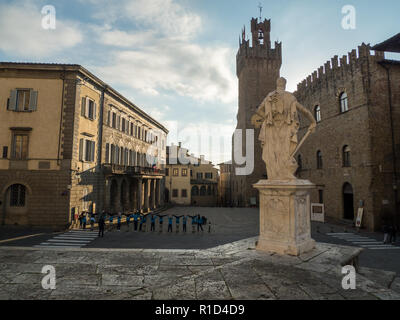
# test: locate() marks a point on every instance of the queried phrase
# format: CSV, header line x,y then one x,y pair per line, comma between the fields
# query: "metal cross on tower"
x,y
260,7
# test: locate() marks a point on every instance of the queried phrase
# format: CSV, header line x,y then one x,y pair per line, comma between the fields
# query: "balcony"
x,y
132,170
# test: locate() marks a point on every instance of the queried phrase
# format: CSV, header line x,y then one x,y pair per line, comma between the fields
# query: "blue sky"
x,y
176,58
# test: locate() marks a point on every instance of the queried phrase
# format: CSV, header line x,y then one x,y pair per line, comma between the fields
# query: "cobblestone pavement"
x,y
230,271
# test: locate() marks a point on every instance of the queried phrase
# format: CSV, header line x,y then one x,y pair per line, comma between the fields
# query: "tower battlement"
x,y
249,55
339,67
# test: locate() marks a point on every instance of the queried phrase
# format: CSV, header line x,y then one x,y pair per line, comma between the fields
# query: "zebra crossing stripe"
x,y
73,238
66,241
61,244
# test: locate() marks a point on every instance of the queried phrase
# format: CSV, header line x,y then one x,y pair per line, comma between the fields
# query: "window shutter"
x,y
81,150
83,107
86,107
95,110
107,153
92,150
33,100
13,101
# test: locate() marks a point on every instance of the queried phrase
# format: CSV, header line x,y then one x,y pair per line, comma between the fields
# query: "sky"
x,y
176,59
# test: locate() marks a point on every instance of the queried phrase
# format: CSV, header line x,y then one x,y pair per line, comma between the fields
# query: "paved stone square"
x,y
231,271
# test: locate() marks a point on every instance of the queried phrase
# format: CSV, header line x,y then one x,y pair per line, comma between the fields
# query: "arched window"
x,y
17,195
344,104
346,156
195,191
319,159
203,191
299,162
317,113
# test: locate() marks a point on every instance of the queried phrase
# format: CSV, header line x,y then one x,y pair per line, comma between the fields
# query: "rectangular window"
x,y
208,175
5,152
184,172
22,100
23,97
175,172
17,195
123,125
86,150
91,110
20,147
166,172
114,120
118,122
108,118
175,193
199,175
184,193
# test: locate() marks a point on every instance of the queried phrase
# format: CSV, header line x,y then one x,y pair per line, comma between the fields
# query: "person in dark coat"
x,y
101,224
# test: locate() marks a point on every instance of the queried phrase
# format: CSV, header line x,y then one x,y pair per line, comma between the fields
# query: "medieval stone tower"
x,y
258,68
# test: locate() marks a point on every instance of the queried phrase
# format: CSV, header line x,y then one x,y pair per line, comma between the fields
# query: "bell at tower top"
x,y
261,32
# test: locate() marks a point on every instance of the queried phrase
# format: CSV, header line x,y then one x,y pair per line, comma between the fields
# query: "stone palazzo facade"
x,y
353,157
71,143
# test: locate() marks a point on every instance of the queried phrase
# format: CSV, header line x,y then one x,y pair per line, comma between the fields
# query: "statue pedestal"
x,y
285,226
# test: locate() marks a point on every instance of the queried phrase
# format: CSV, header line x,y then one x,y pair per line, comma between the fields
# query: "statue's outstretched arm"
x,y
308,115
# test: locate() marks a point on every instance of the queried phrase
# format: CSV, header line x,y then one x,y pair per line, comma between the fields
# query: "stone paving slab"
x,y
231,271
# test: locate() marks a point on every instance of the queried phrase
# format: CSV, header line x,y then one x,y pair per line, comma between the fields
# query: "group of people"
x,y
138,221
86,217
389,233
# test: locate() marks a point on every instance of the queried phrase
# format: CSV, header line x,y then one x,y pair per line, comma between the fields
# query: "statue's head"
x,y
281,83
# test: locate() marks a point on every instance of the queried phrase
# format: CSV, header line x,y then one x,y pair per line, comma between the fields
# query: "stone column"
x,y
118,203
154,197
139,195
285,226
157,192
146,195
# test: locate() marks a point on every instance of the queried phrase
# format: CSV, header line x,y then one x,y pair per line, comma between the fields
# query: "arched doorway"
x,y
348,202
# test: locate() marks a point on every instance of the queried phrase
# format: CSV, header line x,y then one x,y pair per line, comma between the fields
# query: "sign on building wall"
x,y
360,214
317,212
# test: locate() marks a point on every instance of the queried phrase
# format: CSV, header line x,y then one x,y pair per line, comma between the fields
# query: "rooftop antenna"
x,y
260,33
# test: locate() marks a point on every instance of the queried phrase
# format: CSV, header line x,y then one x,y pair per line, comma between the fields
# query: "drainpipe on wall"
x,y
61,118
100,146
393,142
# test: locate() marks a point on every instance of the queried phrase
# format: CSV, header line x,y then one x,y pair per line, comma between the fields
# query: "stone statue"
x,y
277,115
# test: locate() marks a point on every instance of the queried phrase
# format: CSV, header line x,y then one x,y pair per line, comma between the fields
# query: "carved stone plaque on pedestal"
x,y
285,216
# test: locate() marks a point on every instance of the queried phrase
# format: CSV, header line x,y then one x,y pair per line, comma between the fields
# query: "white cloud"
x,y
203,138
202,73
21,32
159,52
167,17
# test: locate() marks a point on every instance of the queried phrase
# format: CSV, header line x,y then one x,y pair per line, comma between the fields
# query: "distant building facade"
x,y
353,157
225,184
70,143
190,180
